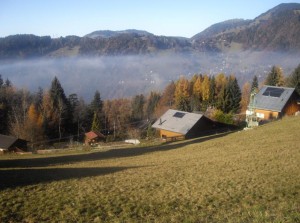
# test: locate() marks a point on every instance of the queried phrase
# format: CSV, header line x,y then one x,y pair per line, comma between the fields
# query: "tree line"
x,y
50,114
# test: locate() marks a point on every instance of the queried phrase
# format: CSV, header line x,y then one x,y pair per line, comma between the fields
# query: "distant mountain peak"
x,y
221,27
278,29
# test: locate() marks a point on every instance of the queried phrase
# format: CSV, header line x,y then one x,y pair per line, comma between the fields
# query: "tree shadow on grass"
x,y
101,155
22,177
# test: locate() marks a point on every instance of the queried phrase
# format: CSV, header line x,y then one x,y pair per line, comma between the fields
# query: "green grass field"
x,y
246,176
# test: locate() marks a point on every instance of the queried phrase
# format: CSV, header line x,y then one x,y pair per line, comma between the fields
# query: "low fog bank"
x,y
125,76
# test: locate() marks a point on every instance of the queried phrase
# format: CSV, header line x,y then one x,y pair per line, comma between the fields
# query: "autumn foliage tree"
x,y
118,115
196,93
294,79
246,90
182,95
166,100
34,125
275,77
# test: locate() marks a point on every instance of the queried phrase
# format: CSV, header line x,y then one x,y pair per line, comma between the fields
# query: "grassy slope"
x,y
248,176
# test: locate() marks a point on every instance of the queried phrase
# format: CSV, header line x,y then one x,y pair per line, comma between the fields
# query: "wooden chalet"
x,y
274,102
93,137
175,125
12,144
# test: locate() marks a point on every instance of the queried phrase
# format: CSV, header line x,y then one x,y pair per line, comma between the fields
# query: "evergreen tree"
x,y
55,107
212,90
96,107
1,81
294,79
150,132
97,103
57,92
137,105
221,83
6,96
195,104
275,77
233,96
152,103
38,99
7,83
96,126
254,85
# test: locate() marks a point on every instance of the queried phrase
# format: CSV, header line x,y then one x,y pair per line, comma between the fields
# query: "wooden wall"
x,y
292,106
268,115
165,133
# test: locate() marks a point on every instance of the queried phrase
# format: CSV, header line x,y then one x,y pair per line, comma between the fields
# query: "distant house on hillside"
x,y
93,137
12,144
273,102
176,125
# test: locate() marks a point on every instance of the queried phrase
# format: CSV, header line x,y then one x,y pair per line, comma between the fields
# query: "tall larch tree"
x,y
196,98
166,100
182,96
254,85
246,90
34,125
275,77
205,91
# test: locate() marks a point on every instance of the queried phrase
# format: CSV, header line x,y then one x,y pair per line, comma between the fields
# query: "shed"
x,y
93,137
12,144
176,124
273,102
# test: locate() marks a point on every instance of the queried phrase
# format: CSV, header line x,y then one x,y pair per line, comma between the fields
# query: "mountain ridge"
x,y
278,29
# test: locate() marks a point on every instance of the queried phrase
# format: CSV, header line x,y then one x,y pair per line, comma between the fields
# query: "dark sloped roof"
x,y
177,121
273,98
7,141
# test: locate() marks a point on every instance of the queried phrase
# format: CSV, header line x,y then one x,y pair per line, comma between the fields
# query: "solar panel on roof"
x,y
273,92
178,114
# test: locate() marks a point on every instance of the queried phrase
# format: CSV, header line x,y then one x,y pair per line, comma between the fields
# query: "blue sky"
x,y
161,17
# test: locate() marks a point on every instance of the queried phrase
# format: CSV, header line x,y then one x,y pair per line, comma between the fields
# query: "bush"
x,y
222,117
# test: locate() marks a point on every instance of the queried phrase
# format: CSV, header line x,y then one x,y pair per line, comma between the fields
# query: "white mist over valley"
x,y
126,76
